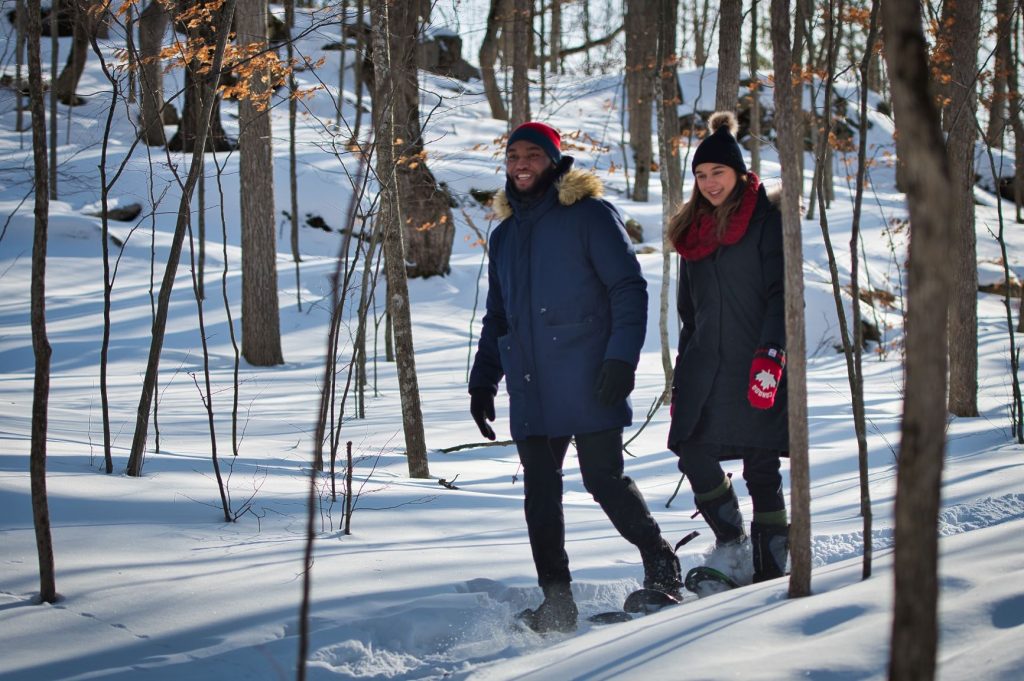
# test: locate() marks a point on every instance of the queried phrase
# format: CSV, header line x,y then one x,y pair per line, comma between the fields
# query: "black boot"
x,y
557,613
661,570
722,513
770,549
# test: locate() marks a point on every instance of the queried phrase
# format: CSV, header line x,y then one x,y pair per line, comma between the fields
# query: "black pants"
x,y
760,471
601,465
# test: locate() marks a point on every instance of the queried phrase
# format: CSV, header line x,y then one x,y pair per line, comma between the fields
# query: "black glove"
x,y
481,406
615,382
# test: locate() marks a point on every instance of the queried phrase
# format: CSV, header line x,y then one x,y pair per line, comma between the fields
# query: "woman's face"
x,y
715,182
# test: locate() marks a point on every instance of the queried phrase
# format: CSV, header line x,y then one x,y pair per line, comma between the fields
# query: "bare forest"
x,y
244,244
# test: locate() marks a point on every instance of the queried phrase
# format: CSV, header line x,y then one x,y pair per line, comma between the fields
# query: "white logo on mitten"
x,y
766,380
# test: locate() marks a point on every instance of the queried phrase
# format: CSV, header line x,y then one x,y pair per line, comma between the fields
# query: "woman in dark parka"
x,y
729,388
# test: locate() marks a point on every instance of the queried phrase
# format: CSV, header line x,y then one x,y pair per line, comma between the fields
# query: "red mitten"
x,y
765,373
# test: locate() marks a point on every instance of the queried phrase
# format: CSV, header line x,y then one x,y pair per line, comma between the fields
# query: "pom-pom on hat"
x,y
721,145
544,136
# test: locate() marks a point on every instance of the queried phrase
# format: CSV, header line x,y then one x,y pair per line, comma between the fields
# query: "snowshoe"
x,y
640,602
646,601
705,581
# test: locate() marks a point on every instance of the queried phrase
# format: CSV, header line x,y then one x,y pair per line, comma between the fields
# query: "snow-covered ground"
x,y
155,585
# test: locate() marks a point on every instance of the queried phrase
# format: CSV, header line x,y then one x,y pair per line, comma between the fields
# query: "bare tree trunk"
x,y
135,457
755,95
289,9
997,112
965,18
641,47
19,57
488,56
261,323
521,30
394,248
40,344
426,211
919,476
360,74
85,25
666,87
54,51
555,42
857,376
293,161
700,32
730,28
790,141
798,67
1017,123
152,27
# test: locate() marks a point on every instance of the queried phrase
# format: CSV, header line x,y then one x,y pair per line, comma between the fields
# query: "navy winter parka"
x,y
565,293
731,303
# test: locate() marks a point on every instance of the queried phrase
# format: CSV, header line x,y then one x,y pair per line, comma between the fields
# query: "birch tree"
x,y
666,91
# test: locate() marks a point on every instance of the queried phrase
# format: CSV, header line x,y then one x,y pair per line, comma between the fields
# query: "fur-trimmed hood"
x,y
573,186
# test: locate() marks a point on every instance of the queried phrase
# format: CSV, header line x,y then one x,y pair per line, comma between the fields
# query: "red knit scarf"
x,y
700,240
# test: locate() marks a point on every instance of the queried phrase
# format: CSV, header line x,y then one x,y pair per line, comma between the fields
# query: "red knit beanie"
x,y
544,136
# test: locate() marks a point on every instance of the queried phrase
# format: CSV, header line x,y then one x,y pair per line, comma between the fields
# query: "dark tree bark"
x,y
857,374
488,56
641,54
919,474
152,27
964,20
730,28
521,32
429,226
385,117
790,143
555,41
40,343
261,321
997,112
700,32
1017,124
86,24
755,94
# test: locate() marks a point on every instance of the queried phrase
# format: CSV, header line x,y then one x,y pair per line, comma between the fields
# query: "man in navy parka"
x,y
565,322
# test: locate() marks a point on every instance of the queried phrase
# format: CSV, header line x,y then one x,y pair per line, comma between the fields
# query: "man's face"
x,y
525,162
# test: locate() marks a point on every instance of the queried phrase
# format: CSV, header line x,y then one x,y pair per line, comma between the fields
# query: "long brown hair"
x,y
697,205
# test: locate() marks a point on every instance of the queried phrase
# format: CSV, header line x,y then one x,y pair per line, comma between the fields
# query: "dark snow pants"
x,y
760,471
601,465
